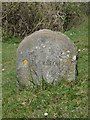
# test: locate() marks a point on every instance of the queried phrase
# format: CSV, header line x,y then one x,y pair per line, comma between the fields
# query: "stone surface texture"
x,y
46,55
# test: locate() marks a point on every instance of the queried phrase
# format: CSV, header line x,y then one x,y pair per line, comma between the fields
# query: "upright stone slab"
x,y
46,55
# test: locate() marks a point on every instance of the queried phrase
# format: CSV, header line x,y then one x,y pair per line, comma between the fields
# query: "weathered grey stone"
x,y
47,55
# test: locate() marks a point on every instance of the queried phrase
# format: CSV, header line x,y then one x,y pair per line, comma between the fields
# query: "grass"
x,y
68,99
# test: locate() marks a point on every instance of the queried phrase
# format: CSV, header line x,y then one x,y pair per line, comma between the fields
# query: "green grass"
x,y
68,99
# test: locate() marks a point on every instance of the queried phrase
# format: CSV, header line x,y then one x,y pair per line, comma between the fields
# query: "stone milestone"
x,y
46,55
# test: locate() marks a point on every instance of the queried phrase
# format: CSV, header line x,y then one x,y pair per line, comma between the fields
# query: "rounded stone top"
x,y
48,34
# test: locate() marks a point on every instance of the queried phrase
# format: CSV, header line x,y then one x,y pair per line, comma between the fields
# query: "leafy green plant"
x,y
21,19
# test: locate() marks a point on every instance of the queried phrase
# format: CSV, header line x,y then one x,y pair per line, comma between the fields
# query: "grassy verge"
x,y
68,99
